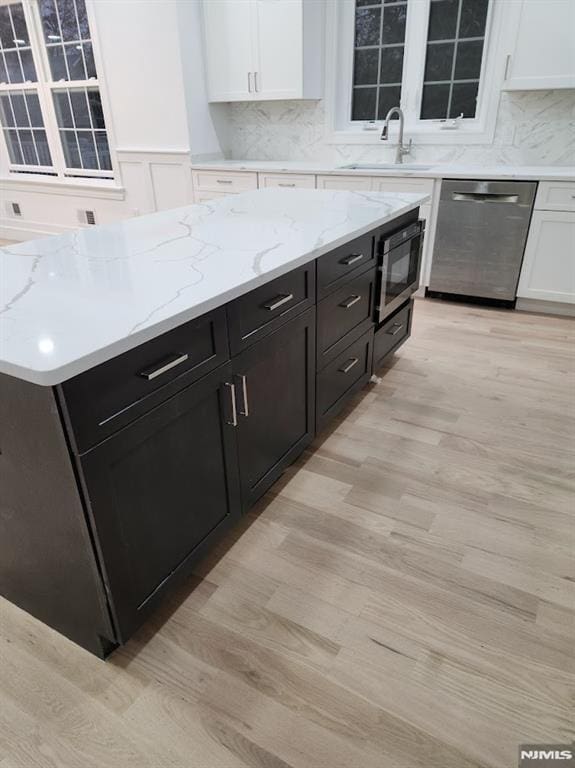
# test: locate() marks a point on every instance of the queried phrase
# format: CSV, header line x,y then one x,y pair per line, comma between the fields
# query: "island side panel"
x,y
47,563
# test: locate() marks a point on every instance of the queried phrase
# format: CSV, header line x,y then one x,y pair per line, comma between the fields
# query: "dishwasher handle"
x,y
484,197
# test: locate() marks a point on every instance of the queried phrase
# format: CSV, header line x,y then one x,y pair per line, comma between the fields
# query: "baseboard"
x,y
546,307
30,230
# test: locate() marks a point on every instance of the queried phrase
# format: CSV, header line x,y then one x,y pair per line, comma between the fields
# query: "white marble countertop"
x,y
432,170
72,301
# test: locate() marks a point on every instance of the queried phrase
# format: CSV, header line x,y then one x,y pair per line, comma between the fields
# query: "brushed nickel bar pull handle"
x,y
485,197
246,409
234,421
397,326
349,260
347,368
224,181
249,82
256,83
279,302
350,302
152,373
285,184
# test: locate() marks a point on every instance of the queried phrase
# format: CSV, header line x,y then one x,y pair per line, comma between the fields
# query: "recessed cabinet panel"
x,y
555,196
230,48
159,491
392,335
543,32
347,310
548,270
337,266
275,393
343,377
261,311
360,183
279,72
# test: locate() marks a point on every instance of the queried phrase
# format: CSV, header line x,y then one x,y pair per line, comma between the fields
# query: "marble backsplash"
x,y
533,128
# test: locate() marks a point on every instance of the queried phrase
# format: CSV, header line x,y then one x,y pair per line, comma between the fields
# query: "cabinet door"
x,y
543,57
160,491
279,51
229,47
275,392
548,271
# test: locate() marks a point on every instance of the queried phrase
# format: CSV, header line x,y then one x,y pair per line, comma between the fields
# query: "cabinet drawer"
x,y
301,180
113,394
204,197
555,196
352,183
224,181
253,316
335,267
343,377
391,335
348,309
402,184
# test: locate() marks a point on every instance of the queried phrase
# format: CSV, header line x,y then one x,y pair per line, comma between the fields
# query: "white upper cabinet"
x,y
258,50
543,55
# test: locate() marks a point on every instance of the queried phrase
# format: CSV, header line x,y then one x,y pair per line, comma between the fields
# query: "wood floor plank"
x,y
403,597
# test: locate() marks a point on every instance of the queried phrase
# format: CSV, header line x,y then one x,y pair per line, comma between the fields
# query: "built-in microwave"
x,y
399,263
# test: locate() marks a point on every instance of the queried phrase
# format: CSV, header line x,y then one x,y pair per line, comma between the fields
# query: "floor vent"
x,y
87,217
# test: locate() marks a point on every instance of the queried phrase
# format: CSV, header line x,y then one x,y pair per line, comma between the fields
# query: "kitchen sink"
x,y
385,167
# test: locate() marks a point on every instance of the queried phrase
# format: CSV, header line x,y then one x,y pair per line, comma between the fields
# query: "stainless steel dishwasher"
x,y
480,238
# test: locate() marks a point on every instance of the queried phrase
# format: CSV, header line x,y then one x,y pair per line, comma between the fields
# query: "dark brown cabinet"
x,y
275,394
160,490
152,455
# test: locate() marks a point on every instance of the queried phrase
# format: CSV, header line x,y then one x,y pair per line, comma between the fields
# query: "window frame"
x,y
340,129
45,88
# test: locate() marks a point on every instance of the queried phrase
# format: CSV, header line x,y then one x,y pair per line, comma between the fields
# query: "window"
x,y
431,57
378,58
455,38
24,129
50,102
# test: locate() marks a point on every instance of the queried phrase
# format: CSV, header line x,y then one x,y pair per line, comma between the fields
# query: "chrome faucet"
x,y
401,148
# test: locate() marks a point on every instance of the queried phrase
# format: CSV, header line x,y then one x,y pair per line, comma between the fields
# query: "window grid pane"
x,y
16,62
67,38
378,58
455,43
24,128
82,130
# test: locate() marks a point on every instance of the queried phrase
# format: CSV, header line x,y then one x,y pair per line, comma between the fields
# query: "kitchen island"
x,y
158,375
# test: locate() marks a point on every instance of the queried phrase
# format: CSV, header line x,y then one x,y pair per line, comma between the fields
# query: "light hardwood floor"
x,y
403,599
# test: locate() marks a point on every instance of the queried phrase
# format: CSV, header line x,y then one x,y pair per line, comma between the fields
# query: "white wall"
x,y
208,123
138,41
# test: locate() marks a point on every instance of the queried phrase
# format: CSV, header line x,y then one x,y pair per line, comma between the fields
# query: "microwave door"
x,y
400,275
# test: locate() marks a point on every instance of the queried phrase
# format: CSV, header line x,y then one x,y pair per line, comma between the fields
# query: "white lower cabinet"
x,y
548,271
